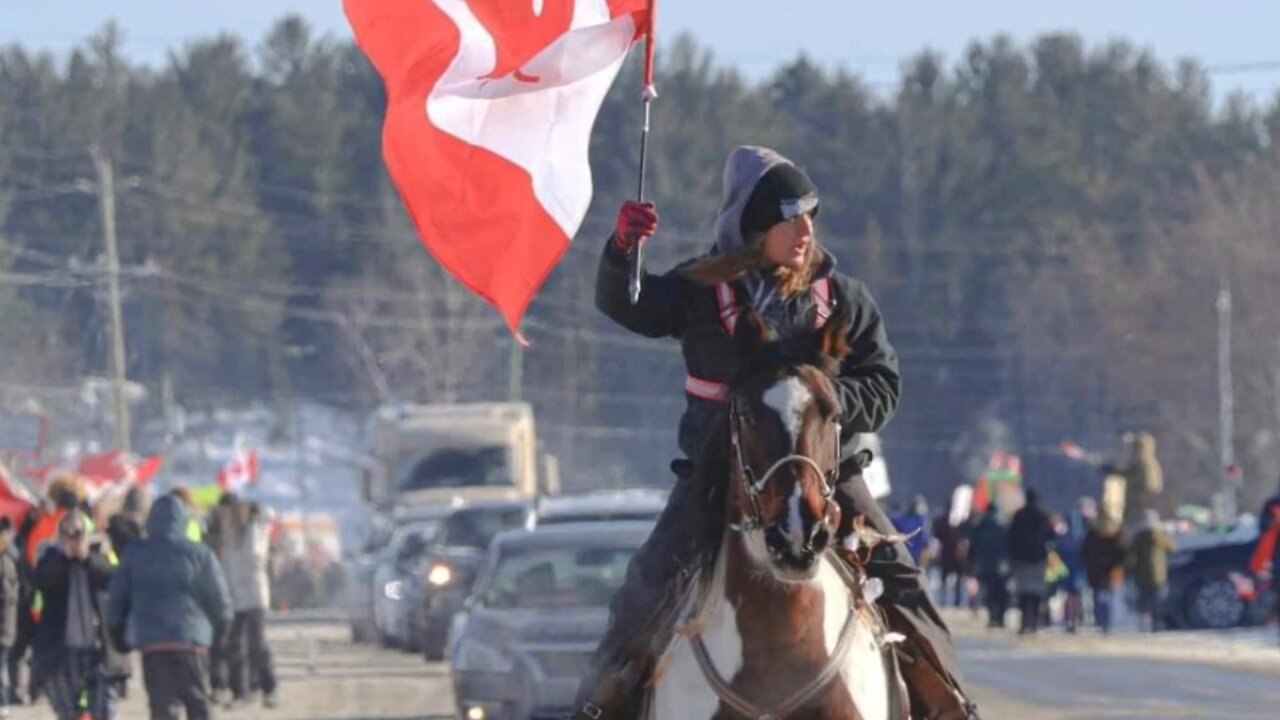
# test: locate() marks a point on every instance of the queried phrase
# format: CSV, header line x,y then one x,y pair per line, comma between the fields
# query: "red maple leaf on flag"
x,y
490,105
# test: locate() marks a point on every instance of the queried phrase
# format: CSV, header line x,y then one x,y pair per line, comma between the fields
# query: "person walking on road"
x,y
10,595
245,540
173,592
1103,554
1029,536
989,553
1149,559
1266,560
70,650
126,526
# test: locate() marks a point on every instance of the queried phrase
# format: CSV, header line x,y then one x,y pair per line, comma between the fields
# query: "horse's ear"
x,y
833,339
751,333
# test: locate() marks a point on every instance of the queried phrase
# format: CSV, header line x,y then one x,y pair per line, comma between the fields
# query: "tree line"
x,y
1048,228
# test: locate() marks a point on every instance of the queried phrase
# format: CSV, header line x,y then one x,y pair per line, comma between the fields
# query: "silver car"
x,y
537,610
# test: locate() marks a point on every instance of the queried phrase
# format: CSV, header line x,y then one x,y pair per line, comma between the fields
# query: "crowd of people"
x,y
189,596
1032,556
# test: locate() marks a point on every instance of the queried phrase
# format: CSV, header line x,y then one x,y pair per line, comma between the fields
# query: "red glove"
x,y
637,222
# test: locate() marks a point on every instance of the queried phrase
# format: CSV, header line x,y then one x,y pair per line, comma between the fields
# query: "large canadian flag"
x,y
490,105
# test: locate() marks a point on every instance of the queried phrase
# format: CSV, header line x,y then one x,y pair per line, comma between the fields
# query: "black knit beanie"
x,y
783,193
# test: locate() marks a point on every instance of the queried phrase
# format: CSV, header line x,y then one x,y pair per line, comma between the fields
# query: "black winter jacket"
x,y
50,578
671,305
10,595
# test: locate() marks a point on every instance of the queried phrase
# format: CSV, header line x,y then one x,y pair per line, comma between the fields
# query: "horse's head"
x,y
784,453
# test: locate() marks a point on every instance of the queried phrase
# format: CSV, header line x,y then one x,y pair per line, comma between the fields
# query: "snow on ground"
x,y
1255,649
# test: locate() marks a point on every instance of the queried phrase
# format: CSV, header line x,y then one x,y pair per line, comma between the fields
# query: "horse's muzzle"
x,y
787,556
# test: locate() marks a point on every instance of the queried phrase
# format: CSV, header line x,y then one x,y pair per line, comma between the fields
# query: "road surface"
x,y
325,677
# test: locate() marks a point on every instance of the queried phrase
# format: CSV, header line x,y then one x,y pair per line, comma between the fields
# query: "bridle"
x,y
854,579
753,487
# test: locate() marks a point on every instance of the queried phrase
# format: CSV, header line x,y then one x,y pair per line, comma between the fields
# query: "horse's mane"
x,y
708,493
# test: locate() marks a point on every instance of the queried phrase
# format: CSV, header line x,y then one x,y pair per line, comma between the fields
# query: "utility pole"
x,y
107,204
515,372
1226,403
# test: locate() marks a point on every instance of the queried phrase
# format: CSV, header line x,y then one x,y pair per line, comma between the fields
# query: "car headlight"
x,y
393,590
476,657
439,575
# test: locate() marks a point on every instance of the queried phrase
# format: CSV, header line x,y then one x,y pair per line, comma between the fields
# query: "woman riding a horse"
x,y
767,263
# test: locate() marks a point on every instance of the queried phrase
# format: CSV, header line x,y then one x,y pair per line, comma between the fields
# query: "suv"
x,y
439,583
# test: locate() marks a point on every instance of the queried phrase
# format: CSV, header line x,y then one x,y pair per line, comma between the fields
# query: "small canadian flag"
x,y
240,470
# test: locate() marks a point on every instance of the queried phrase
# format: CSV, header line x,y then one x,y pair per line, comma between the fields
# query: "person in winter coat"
x,y
245,537
70,649
1029,536
953,552
126,526
1148,556
1144,481
26,599
914,523
174,593
1071,575
989,558
1103,554
10,595
1266,560
766,259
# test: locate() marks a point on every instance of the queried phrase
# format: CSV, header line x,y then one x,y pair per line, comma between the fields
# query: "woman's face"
x,y
787,243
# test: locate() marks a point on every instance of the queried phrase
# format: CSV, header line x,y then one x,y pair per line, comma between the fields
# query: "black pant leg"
x,y
260,651
160,678
194,678
892,564
237,657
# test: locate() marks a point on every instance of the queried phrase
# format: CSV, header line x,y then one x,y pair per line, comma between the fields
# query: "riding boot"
x,y
614,686
927,656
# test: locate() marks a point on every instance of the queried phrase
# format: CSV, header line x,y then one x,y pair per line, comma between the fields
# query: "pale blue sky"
x,y
757,35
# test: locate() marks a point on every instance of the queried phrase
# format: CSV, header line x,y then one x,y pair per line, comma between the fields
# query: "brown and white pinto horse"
x,y
773,624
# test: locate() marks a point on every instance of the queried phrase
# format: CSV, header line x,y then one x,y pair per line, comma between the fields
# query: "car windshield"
x,y
556,577
474,528
456,467
418,533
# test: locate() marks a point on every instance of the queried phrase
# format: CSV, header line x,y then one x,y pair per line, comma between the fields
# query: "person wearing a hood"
x,y
245,549
1148,556
174,594
766,259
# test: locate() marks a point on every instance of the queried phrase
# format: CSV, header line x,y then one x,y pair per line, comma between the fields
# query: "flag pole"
x,y
647,97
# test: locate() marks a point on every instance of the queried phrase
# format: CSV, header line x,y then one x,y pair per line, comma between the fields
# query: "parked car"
x,y
392,578
1210,586
358,590
601,505
537,610
440,578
